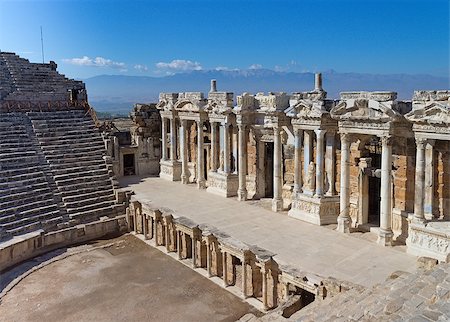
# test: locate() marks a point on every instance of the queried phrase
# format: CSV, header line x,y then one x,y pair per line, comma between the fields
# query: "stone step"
x,y
95,199
109,211
82,179
87,193
98,165
75,161
27,199
47,142
90,206
22,183
24,175
83,185
90,173
26,206
32,191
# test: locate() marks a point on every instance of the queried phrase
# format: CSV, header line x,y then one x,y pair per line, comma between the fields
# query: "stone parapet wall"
x,y
29,245
252,270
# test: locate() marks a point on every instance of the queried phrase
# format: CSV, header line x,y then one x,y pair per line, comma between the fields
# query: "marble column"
x,y
277,202
173,140
344,220
226,148
214,147
224,269
244,277
307,156
385,234
242,167
320,137
419,196
330,163
298,134
429,179
164,138
200,156
184,153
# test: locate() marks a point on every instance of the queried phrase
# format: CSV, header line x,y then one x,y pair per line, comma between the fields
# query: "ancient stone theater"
x,y
296,203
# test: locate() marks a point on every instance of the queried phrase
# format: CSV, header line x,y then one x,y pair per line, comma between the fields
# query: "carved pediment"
x,y
435,113
188,105
217,107
363,109
306,110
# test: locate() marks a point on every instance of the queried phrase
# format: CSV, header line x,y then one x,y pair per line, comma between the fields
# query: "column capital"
x,y
386,140
346,137
320,132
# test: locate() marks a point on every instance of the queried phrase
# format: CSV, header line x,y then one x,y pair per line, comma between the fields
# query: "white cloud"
x,y
255,66
179,65
96,62
224,68
141,68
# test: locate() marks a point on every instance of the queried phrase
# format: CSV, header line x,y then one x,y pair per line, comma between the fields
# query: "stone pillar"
x,y
194,251
226,148
224,269
184,153
244,277
320,136
277,202
385,235
179,243
419,197
344,220
330,163
298,134
242,168
318,82
164,138
214,147
200,156
208,258
173,140
429,179
307,153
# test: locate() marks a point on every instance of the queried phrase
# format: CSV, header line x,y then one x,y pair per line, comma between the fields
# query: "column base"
x,y
170,170
242,194
344,224
184,179
277,205
201,184
385,237
315,210
223,184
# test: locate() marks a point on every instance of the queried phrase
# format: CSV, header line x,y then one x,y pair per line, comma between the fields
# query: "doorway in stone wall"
x,y
268,169
373,217
128,165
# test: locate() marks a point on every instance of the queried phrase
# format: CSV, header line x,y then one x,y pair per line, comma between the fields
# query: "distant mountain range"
x,y
117,93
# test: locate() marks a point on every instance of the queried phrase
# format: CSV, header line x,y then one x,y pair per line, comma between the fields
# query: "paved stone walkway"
x,y
308,247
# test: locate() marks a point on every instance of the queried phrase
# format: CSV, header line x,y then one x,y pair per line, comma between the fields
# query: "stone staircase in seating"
x,y
76,153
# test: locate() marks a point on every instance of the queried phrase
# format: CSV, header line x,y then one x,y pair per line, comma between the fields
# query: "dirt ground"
x,y
128,281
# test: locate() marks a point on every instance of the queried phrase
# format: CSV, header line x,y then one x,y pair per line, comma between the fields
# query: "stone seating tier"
x,y
52,172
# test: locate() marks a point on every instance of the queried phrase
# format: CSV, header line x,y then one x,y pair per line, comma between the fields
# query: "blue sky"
x,y
160,37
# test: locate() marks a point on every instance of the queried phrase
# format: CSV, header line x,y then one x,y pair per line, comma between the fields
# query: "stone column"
x,y
200,157
173,140
214,147
164,138
320,136
344,220
330,163
208,258
242,168
419,197
184,153
194,251
224,269
429,179
226,148
307,154
385,235
298,134
277,202
244,277
179,233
